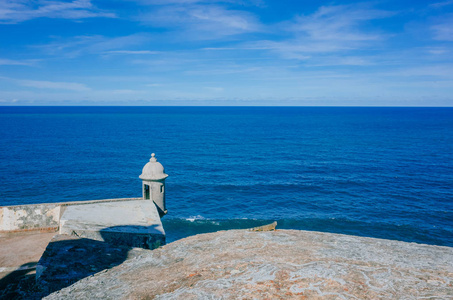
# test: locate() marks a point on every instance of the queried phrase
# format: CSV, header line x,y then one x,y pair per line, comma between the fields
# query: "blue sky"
x,y
232,52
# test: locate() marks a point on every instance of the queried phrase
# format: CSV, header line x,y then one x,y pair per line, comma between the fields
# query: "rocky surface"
x,y
282,264
68,259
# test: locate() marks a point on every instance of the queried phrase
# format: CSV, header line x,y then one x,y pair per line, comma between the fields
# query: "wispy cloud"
x,y
301,49
166,2
197,21
439,72
438,50
443,29
21,10
55,85
342,61
224,70
224,49
11,62
132,52
93,44
338,23
441,4
331,29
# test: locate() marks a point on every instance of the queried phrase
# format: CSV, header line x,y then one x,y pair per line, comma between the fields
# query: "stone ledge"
x,y
132,223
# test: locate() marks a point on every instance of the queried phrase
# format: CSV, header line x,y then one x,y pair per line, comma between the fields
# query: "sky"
x,y
232,52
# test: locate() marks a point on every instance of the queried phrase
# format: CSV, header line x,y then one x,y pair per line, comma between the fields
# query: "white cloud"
x,y
223,70
331,29
9,101
22,10
297,48
438,50
342,61
132,52
440,72
443,29
338,23
71,86
92,44
441,4
10,62
167,2
202,21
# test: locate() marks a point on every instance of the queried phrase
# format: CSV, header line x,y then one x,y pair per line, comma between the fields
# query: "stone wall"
x,y
44,216
29,217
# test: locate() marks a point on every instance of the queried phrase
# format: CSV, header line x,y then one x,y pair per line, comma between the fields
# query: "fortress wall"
x,y
29,217
43,216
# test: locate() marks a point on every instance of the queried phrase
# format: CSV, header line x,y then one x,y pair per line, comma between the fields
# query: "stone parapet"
x,y
129,223
40,217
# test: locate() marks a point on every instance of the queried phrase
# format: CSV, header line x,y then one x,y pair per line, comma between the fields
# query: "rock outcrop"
x,y
282,264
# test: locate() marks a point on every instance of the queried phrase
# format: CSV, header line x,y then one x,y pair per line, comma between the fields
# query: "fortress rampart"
x,y
40,217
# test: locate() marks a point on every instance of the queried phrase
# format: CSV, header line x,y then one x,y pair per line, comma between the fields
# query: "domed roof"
x,y
153,170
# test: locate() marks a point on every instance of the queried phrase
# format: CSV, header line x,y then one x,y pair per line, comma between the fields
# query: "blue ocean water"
x,y
378,172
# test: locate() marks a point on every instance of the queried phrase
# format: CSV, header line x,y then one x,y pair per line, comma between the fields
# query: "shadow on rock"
x,y
68,259
13,284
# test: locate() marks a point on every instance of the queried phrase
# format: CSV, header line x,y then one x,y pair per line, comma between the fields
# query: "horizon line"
x,y
224,106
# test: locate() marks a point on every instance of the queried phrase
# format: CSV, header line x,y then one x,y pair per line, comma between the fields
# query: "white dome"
x,y
153,170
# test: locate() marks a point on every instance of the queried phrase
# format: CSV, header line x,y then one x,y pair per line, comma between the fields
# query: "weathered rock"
x,y
283,264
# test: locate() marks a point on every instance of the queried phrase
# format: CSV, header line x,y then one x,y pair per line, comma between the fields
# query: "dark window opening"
x,y
146,191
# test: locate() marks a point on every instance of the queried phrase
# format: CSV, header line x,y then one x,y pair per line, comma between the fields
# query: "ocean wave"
x,y
193,218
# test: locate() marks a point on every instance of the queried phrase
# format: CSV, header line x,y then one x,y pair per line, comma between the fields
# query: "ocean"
x,y
366,171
